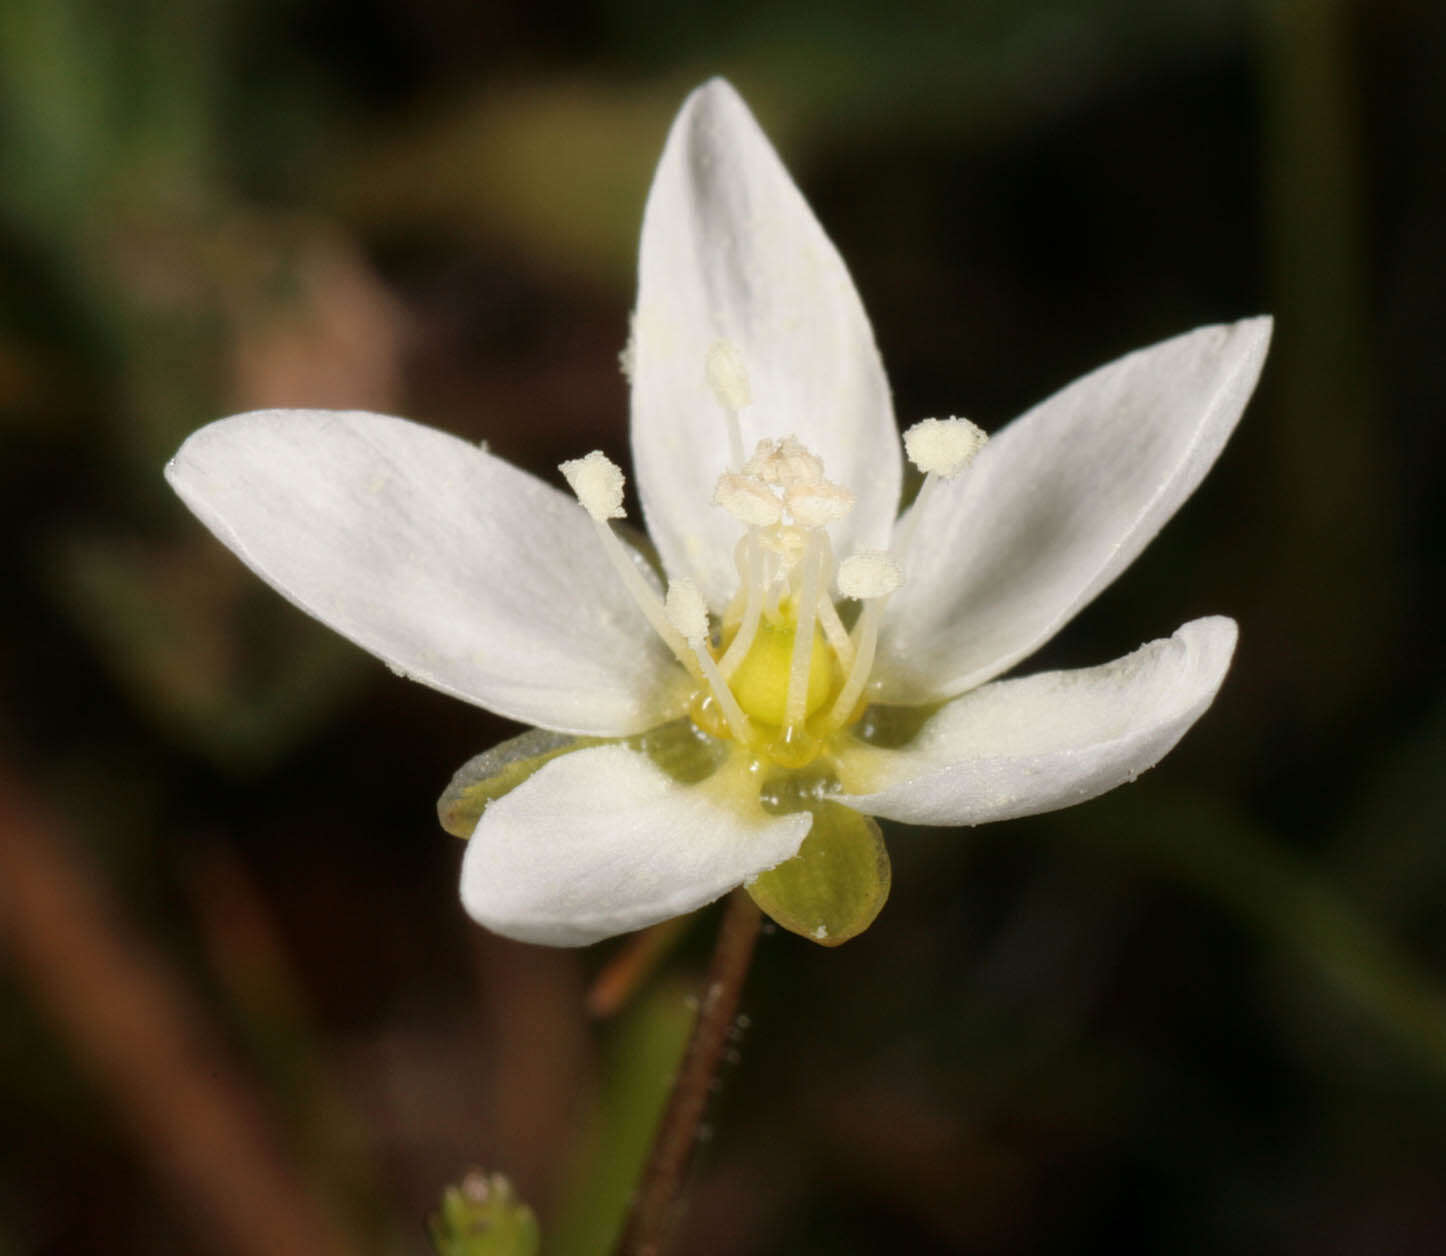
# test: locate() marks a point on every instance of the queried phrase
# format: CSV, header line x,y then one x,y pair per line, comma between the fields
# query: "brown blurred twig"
x,y
636,960
655,1205
134,1028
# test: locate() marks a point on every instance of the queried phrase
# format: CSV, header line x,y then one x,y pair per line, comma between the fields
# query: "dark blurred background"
x,y
241,1009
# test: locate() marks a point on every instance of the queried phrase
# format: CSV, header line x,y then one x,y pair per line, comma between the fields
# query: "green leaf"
x,y
642,1052
837,883
482,1216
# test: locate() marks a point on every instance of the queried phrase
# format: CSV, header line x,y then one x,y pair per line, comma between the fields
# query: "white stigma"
x,y
598,483
943,447
868,575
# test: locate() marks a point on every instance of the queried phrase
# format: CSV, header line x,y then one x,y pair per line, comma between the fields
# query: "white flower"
x,y
756,385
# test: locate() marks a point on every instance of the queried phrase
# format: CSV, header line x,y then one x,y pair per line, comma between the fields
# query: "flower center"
x,y
760,681
788,674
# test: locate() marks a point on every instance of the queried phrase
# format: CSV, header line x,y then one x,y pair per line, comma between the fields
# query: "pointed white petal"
x,y
601,841
1020,747
447,563
1057,505
732,252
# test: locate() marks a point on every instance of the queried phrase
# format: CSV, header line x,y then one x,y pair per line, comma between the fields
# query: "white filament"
x,y
728,378
751,570
869,576
796,706
688,614
598,483
866,634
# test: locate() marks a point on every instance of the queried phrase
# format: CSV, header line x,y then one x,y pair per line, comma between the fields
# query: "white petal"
x,y
601,841
1057,505
452,566
1020,747
732,252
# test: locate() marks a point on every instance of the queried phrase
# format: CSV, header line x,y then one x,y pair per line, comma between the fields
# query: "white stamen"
x,y
866,635
750,569
868,574
817,505
835,632
943,447
796,705
940,448
598,483
747,500
728,377
688,613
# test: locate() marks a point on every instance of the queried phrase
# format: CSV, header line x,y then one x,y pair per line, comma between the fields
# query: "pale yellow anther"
x,y
816,505
785,462
727,376
797,463
868,574
943,447
747,500
687,612
598,483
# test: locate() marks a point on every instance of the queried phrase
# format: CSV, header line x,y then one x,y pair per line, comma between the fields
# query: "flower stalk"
x,y
655,1203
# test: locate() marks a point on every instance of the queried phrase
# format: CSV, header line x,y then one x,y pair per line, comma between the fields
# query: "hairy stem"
x,y
655,1204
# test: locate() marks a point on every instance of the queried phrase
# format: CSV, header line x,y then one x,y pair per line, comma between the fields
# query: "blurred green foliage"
x,y
1205,1013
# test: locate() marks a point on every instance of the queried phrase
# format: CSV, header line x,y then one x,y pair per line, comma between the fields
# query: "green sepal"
x,y
837,883
679,748
498,771
893,727
482,1216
